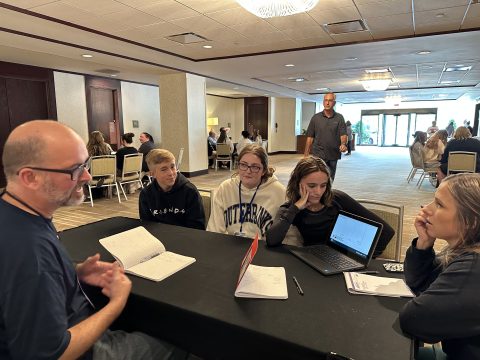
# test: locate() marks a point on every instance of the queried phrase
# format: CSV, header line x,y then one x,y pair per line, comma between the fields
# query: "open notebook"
x,y
260,281
142,254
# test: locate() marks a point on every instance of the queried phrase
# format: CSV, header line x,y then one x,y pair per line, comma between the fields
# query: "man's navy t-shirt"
x,y
39,294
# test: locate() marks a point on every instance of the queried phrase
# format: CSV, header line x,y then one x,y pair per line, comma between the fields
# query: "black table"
x,y
196,308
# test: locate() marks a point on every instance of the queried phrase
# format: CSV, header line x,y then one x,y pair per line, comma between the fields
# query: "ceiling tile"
x,y
326,5
453,14
473,17
421,5
63,11
131,18
233,16
307,32
436,27
98,7
199,24
207,6
321,41
258,27
391,33
352,37
292,21
161,29
382,8
28,4
169,10
335,15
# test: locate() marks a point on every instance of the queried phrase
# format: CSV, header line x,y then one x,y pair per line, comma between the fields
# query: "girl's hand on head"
x,y
302,203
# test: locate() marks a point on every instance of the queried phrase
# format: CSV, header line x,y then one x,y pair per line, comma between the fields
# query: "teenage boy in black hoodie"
x,y
171,198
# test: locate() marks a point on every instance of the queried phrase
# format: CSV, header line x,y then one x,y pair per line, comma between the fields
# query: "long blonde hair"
x,y
432,143
465,190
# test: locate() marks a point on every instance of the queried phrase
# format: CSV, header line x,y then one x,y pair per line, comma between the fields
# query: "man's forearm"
x,y
308,146
343,140
85,333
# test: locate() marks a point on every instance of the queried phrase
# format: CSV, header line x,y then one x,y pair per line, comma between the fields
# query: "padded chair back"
x,y
393,216
462,161
132,166
223,150
103,166
207,197
180,158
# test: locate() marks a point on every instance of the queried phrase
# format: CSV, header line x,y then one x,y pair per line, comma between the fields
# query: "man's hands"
x,y
343,148
108,276
302,203
424,241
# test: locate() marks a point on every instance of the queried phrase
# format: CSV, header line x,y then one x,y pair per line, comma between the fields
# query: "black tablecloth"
x,y
196,309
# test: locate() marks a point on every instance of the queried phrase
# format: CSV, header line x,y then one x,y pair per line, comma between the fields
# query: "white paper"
x,y
264,283
358,283
142,254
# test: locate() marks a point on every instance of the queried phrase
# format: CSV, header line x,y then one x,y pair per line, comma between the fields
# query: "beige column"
x,y
183,121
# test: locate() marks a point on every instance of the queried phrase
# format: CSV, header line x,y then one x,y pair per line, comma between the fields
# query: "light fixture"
x,y
207,46
289,65
423,52
274,8
351,59
212,121
87,55
375,84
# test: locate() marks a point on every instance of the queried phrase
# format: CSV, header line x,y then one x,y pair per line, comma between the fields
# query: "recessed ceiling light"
x,y
299,79
423,52
113,75
446,82
236,88
207,46
296,79
289,65
376,71
350,59
321,89
87,55
440,15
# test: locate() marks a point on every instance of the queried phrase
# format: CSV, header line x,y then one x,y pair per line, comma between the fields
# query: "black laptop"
x,y
350,247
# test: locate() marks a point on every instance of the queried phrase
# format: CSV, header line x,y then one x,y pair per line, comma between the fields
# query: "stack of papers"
x,y
263,283
358,283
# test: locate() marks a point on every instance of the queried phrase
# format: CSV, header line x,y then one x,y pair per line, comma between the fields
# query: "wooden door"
x,y
104,109
256,115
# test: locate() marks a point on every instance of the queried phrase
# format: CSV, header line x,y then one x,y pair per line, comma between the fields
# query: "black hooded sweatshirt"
x,y
181,206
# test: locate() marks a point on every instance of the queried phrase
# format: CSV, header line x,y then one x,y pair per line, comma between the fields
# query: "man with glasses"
x,y
44,313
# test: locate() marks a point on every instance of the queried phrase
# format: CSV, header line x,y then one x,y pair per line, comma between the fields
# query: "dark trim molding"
x,y
226,97
282,152
195,173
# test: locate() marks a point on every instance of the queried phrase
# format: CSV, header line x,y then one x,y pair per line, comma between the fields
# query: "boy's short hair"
x,y
157,156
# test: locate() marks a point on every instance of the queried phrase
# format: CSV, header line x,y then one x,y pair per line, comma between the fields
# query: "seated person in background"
x,y
147,144
243,141
462,141
97,146
312,206
224,139
258,138
417,146
212,139
432,129
171,198
434,147
247,203
44,313
127,149
446,307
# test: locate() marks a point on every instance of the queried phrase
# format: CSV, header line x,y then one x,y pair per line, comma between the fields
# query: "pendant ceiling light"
x,y
375,84
273,8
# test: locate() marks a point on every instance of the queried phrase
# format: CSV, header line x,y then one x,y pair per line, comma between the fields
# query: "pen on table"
x,y
297,285
367,272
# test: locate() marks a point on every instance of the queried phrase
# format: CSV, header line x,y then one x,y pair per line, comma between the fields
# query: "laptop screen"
x,y
354,234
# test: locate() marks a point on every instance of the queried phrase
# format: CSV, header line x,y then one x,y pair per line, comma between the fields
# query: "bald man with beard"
x,y
44,313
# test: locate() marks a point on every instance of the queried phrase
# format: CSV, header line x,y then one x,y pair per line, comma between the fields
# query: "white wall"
x,y
142,103
281,111
228,111
308,110
71,102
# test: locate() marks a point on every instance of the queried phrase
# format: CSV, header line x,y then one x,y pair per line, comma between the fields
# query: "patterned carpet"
x,y
369,173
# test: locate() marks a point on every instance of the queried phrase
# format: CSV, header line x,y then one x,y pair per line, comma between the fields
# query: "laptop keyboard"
x,y
337,260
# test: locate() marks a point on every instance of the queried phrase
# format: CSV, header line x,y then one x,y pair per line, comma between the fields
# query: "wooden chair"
x,y
393,216
223,154
103,170
462,161
131,172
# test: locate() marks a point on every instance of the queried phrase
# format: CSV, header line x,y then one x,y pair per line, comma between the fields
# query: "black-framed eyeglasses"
x,y
74,172
253,168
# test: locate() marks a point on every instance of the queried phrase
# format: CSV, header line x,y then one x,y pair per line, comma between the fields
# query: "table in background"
x,y
196,309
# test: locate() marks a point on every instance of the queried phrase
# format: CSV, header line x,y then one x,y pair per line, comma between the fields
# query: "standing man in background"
x,y
328,134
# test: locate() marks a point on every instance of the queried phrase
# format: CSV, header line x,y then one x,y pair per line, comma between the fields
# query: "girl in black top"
x,y
312,206
127,149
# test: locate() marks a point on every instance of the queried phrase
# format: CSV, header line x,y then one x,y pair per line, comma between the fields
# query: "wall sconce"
x,y
212,121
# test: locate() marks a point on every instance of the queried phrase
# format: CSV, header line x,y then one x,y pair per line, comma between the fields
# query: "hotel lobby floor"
x,y
373,173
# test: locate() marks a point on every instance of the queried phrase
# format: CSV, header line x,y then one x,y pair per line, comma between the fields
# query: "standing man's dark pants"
x,y
332,165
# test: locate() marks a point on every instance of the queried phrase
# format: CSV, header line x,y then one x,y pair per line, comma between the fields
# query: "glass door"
x,y
367,130
396,129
